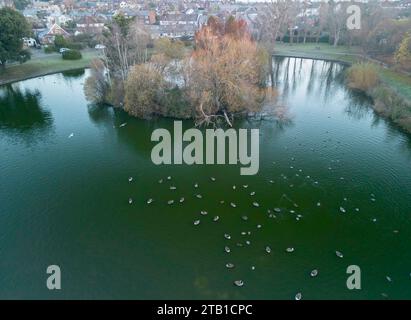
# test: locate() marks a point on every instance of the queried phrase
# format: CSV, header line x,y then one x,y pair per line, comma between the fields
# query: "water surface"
x,y
64,200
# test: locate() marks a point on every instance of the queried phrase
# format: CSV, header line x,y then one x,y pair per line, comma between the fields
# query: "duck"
x,y
314,273
267,249
239,283
342,209
256,204
339,254
227,236
227,249
298,296
216,218
229,265
130,179
233,204
130,201
149,201
199,196
196,222
170,201
182,199
290,249
203,213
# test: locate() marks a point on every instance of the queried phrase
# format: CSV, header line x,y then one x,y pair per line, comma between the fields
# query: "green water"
x,y
64,200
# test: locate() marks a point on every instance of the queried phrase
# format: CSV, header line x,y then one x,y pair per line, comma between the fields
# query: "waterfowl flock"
x,y
286,206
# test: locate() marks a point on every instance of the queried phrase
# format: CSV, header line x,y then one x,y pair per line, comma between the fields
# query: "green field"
x,y
44,64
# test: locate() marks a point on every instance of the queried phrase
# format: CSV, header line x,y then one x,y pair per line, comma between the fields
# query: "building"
x,y
48,36
173,19
90,25
6,4
146,16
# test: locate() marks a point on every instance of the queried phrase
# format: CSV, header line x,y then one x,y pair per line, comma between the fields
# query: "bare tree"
x,y
126,45
336,20
272,16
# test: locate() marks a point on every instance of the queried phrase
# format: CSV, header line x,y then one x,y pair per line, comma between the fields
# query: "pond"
x,y
333,177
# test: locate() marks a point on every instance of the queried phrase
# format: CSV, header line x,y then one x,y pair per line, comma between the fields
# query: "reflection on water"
x,y
21,112
73,74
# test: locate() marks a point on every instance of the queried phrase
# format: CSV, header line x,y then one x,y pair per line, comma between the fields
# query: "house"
x,y
171,31
178,18
146,16
6,4
90,25
48,36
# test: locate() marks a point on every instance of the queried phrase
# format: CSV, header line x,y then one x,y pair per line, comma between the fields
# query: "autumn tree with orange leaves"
x,y
225,73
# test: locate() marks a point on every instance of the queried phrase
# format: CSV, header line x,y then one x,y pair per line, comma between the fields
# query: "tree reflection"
x,y
359,104
21,111
73,74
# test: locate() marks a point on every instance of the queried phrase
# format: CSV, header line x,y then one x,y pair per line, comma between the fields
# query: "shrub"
x,y
174,103
403,54
143,89
72,55
60,42
24,56
50,49
362,76
96,87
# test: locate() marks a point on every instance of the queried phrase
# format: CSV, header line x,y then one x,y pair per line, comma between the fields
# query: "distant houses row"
x,y
169,25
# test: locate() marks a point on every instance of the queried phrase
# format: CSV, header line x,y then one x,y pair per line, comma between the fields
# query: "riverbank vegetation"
x,y
223,76
362,76
387,102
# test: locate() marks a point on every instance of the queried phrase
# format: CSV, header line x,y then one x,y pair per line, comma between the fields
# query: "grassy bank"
x,y
321,51
44,64
392,96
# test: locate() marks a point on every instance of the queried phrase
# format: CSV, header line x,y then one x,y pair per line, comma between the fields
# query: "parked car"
x,y
64,50
99,46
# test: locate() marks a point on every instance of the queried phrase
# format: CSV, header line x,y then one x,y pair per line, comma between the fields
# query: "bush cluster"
x,y
72,55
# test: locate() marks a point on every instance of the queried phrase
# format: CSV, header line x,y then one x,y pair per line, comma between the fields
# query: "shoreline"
x,y
393,85
34,76
43,66
345,58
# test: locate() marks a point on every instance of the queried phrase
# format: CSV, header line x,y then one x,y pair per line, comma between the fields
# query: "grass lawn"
x,y
44,64
319,51
399,82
